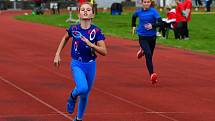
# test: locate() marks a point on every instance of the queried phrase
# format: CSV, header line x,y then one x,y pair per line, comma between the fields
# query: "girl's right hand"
x,y
57,60
133,30
148,26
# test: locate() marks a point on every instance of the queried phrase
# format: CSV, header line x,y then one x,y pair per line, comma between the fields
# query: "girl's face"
x,y
86,12
146,4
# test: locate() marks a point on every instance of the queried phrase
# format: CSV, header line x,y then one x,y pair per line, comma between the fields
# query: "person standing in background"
x,y
82,1
187,13
198,3
180,20
208,5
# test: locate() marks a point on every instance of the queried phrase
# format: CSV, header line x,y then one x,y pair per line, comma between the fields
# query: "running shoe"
x,y
75,119
140,53
154,78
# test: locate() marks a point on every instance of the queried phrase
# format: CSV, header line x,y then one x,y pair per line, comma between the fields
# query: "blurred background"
x,y
100,4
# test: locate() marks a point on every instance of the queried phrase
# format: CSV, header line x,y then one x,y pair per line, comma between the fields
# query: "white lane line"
x,y
135,104
30,115
112,95
166,112
36,98
133,113
89,114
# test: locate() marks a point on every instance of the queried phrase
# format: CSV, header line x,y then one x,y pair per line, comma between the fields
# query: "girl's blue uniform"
x,y
146,16
147,38
83,63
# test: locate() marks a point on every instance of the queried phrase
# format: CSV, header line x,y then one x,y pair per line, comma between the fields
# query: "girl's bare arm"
x,y
62,44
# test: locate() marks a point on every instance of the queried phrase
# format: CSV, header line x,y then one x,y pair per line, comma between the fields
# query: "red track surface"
x,y
31,89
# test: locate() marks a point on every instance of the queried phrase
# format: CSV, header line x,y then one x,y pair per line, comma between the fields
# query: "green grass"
x,y
201,28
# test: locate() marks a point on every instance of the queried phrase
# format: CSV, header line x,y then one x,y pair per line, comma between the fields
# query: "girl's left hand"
x,y
87,41
133,30
57,60
148,26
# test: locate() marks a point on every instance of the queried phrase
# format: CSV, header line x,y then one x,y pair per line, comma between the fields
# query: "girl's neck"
x,y
145,9
85,24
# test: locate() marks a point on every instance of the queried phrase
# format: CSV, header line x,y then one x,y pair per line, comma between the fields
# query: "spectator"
x,y
169,22
198,3
180,19
58,7
208,5
187,13
81,1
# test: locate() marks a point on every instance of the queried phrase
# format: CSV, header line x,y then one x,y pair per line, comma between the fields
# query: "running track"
x,y
31,89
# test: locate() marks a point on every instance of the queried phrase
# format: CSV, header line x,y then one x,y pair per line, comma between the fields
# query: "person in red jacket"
x,y
169,22
187,13
81,1
180,20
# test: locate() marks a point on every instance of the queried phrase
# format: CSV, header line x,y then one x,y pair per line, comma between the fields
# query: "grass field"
x,y
202,29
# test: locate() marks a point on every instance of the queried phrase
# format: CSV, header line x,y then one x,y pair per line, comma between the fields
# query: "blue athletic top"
x,y
80,50
146,16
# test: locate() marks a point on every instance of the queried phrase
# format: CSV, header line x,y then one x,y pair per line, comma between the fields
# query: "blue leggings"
x,y
84,75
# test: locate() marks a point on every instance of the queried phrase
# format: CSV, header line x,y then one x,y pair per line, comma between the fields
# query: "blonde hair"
x,y
88,3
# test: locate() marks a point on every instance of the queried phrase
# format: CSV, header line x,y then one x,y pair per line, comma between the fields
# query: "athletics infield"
x,y
32,89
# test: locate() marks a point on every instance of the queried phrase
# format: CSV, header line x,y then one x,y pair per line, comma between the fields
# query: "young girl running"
x,y
86,40
149,19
